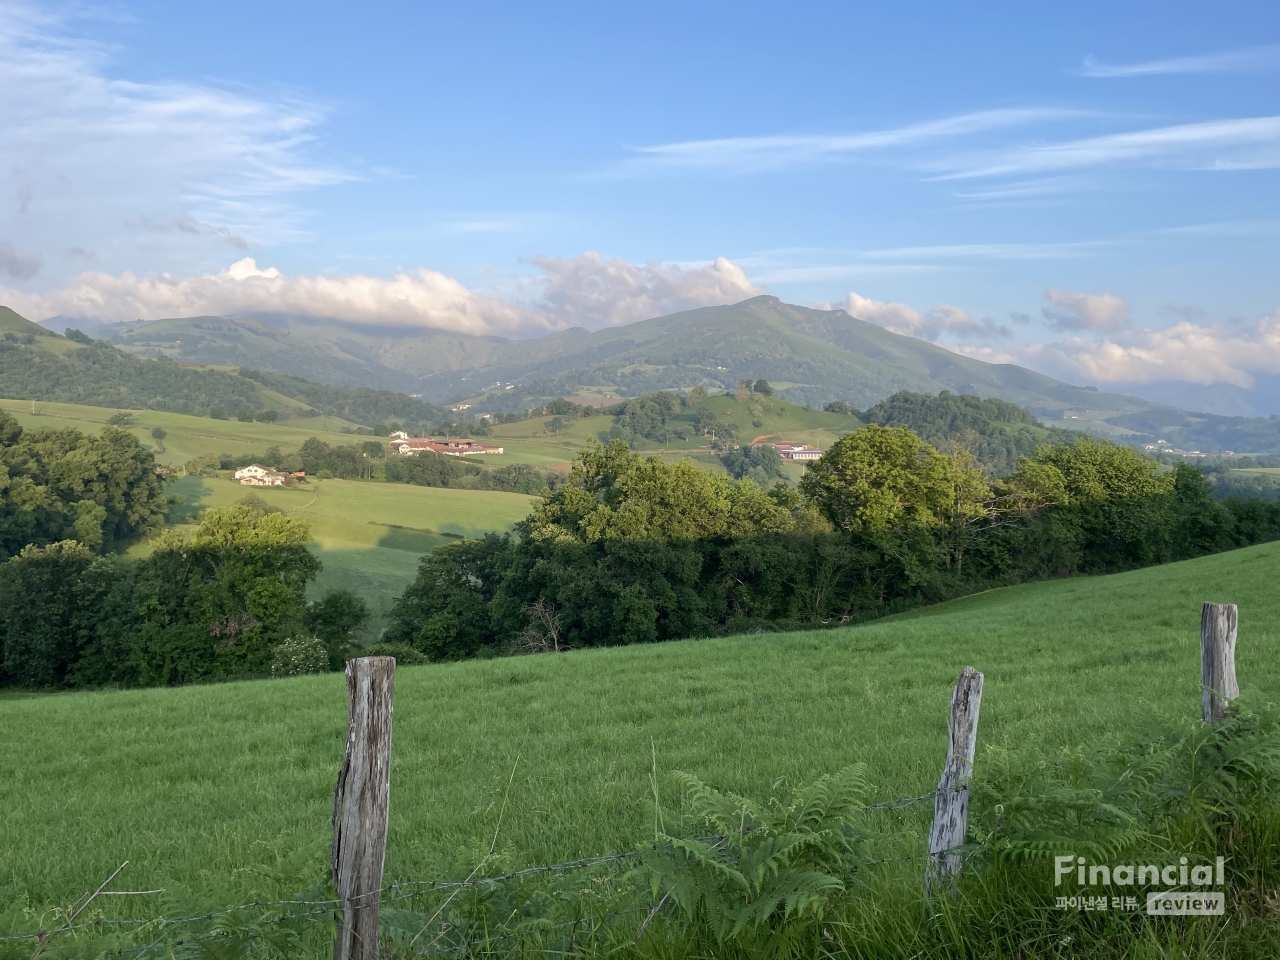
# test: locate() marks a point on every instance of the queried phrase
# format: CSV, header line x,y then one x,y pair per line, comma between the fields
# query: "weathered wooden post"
x,y
951,805
361,802
1218,622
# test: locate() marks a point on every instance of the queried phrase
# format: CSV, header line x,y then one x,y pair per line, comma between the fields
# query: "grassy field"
x,y
529,442
369,536
524,442
188,437
216,793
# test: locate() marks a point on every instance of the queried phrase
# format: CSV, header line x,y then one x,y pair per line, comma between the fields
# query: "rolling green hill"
x,y
218,341
995,432
222,794
37,364
811,356
528,441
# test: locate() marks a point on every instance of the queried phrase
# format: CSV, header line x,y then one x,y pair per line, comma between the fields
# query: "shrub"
x,y
405,655
298,656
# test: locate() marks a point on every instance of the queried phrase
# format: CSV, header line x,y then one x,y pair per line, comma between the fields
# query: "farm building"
x,y
450,448
256,475
796,451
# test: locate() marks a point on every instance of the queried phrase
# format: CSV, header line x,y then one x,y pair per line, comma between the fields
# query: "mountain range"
x,y
810,356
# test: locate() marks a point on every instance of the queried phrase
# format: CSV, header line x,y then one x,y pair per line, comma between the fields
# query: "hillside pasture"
x,y
369,536
529,442
188,437
222,793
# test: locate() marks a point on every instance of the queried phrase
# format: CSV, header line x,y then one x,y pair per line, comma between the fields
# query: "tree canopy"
x,y
879,477
1088,471
102,491
613,494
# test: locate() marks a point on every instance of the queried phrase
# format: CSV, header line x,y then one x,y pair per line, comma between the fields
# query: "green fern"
x,y
1174,792
766,866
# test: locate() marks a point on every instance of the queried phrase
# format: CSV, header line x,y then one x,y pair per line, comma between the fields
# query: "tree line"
x,y
626,549
215,607
631,549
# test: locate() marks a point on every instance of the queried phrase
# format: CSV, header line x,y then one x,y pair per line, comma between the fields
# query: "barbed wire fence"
x,y
391,893
360,817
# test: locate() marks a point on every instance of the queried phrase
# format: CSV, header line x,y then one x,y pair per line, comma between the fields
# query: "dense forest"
x,y
98,374
358,405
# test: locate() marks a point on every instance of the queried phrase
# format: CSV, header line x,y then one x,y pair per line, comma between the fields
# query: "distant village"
x,y
399,443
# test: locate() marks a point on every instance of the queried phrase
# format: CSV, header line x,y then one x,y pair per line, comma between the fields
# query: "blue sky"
x,y
1090,189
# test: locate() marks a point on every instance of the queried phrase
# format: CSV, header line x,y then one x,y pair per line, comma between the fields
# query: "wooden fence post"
x,y
951,804
361,802
1218,623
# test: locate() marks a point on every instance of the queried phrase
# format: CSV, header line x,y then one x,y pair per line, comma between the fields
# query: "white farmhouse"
x,y
256,475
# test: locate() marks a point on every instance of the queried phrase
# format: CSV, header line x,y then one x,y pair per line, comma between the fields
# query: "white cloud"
x,y
748,154
1235,144
591,291
1187,352
1248,60
1085,311
18,264
83,154
938,322
584,291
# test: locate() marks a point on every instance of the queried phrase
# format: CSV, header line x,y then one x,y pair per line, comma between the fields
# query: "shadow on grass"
x,y
378,574
191,499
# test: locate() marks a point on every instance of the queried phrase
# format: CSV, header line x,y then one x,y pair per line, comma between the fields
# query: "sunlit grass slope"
x,y
529,442
188,436
203,788
369,536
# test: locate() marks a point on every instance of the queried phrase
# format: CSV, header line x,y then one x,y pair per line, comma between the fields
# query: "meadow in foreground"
x,y
222,793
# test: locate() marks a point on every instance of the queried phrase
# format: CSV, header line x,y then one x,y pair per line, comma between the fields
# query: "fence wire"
x,y
418,887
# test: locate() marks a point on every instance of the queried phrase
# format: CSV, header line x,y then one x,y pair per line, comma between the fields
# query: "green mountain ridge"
x,y
40,365
247,342
810,356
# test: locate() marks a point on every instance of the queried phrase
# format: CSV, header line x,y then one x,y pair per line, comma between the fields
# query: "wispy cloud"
x,y
790,266
753,154
83,152
1021,190
1246,60
1245,143
18,264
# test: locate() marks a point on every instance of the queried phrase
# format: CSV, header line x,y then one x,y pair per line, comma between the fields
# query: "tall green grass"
x,y
222,793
